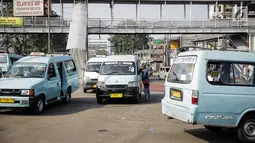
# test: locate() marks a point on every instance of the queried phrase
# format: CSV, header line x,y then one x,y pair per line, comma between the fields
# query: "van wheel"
x,y
39,105
67,97
99,100
246,129
213,128
84,90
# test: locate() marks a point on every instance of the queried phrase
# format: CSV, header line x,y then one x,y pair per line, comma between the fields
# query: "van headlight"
x,y
87,78
133,84
100,84
29,92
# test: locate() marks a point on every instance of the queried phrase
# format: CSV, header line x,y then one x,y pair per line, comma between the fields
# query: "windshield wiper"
x,y
111,73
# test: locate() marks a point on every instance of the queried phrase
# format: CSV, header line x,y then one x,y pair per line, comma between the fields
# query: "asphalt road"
x,y
84,121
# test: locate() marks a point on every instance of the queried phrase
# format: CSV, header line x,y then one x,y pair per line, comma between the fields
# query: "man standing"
x,y
146,84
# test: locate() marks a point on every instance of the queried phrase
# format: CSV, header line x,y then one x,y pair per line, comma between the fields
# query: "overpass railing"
x,y
142,23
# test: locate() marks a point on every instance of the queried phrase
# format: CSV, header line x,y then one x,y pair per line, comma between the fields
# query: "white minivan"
x,y
91,73
119,77
163,72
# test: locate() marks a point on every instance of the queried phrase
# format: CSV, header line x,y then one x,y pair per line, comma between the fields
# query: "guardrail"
x,y
142,23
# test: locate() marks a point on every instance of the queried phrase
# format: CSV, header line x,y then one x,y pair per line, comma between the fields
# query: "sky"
x,y
125,11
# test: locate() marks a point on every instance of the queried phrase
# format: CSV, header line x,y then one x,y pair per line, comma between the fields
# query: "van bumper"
x,y
126,92
185,114
19,102
90,85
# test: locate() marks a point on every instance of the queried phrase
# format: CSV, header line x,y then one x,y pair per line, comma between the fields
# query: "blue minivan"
x,y
37,80
213,88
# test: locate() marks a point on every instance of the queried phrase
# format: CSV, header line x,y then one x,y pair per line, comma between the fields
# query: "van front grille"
x,y
10,92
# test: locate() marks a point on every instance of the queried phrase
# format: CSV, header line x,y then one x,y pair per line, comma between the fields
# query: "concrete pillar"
x,y
216,8
208,11
190,9
112,12
78,36
136,11
252,41
62,12
139,9
160,12
185,15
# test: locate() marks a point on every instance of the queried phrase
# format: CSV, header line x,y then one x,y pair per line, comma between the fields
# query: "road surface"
x,y
84,121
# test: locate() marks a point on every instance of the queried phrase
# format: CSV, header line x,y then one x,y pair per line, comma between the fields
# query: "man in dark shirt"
x,y
146,84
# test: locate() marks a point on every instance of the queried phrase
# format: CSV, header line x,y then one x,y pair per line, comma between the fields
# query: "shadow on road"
x,y
225,136
55,109
155,98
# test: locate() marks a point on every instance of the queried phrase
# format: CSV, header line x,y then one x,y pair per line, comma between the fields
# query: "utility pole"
x,y
49,50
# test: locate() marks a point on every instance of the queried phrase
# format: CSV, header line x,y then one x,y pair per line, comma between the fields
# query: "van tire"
x,y
39,106
99,100
67,97
243,129
213,128
84,90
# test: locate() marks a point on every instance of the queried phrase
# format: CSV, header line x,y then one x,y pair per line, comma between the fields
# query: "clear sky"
x,y
124,11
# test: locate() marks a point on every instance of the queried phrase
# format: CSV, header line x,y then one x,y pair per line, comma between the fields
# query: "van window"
x,y
3,59
182,70
167,69
118,68
13,60
230,73
51,71
27,70
93,66
70,66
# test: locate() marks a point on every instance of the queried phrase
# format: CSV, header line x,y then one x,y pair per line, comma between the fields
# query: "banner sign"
x,y
11,21
28,7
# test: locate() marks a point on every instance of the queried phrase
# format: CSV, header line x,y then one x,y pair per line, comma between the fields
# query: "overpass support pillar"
x,y
252,41
112,12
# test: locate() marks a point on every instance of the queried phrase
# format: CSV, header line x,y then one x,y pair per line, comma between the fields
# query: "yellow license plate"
x,y
6,100
177,94
95,86
116,95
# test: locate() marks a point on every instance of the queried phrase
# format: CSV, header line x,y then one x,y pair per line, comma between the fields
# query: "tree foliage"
x,y
128,44
101,52
27,43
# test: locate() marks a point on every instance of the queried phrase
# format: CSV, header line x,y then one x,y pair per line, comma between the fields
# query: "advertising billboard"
x,y
11,22
28,7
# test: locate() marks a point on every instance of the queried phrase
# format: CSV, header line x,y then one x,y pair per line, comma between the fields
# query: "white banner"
x,y
28,7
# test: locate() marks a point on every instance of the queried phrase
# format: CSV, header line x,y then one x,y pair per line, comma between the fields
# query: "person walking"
x,y
146,84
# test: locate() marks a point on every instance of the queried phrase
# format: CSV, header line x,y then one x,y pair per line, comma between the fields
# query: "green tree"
x,y
128,44
101,52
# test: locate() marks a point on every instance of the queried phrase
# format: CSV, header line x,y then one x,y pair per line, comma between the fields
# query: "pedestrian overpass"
x,y
129,26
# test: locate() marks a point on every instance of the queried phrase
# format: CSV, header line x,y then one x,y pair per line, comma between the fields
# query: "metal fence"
x,y
142,23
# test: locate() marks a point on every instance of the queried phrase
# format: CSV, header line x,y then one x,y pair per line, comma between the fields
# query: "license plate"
x,y
116,95
176,95
95,86
6,100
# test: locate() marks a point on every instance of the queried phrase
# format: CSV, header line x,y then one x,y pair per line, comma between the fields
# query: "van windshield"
x,y
93,66
182,70
118,68
27,70
3,59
